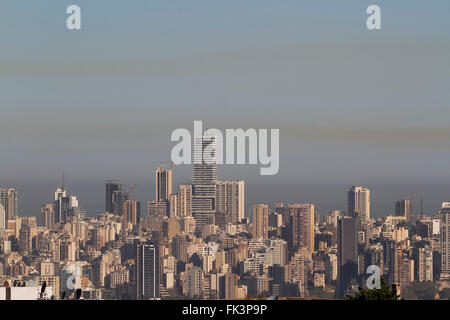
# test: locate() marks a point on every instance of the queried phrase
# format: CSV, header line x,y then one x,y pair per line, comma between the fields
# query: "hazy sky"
x,y
353,106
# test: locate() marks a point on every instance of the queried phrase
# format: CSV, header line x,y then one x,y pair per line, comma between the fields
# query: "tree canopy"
x,y
384,293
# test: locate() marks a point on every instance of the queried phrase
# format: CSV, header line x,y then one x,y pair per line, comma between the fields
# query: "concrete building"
x,y
9,198
2,217
445,240
184,200
260,216
358,201
24,293
347,253
302,225
163,184
230,199
193,282
403,208
205,178
147,271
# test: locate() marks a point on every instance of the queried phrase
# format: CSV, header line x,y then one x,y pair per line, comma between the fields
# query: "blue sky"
x,y
353,106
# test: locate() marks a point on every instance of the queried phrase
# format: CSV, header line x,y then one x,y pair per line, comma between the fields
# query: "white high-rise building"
x,y
64,205
359,202
277,253
423,263
60,193
230,199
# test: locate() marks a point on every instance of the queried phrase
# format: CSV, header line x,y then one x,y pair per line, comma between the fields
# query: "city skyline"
x,y
337,113
145,190
278,241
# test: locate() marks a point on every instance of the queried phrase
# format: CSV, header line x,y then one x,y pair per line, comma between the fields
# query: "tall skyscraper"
x,y
403,208
284,211
230,199
2,217
48,215
205,171
184,200
163,184
393,258
332,217
179,248
111,187
119,198
260,216
347,253
64,205
193,282
25,239
147,271
9,198
131,212
228,286
173,206
423,263
205,178
302,225
445,240
157,208
115,197
61,203
359,202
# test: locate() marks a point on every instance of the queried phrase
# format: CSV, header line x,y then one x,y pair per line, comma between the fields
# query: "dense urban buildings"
x,y
195,241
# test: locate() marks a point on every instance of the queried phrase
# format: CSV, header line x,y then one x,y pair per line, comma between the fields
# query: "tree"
x,y
320,293
384,293
445,293
109,294
421,291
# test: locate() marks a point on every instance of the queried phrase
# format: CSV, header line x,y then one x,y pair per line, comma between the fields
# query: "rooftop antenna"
x,y
63,181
